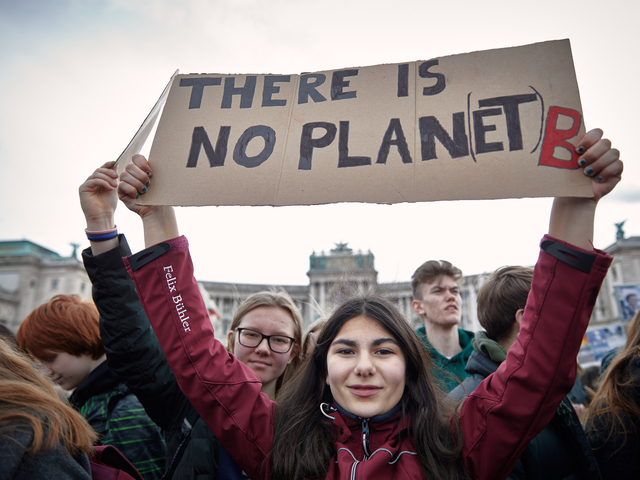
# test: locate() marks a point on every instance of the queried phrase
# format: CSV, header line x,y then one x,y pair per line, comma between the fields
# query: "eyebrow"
x,y
353,343
442,287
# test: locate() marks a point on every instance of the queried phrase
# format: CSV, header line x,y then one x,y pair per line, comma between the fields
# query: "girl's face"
x,y
266,363
366,368
68,370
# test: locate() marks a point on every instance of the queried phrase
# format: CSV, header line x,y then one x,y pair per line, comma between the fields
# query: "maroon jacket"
x,y
498,419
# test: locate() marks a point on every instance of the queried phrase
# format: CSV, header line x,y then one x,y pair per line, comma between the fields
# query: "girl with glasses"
x,y
273,359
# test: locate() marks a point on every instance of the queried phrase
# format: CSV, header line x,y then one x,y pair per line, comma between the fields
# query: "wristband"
x,y
101,235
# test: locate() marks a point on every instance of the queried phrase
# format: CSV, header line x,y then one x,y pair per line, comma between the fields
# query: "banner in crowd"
x,y
490,124
628,300
598,342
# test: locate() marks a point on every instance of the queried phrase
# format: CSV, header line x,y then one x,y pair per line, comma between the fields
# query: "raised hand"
x,y
600,162
159,221
99,199
134,181
572,218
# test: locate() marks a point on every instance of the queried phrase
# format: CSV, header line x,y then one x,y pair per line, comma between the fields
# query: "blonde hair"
x,y
29,401
269,298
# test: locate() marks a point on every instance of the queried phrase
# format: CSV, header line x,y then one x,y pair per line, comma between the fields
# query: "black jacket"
x,y
134,354
561,451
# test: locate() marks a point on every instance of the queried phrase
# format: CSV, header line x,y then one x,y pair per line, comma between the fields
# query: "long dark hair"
x,y
303,437
614,403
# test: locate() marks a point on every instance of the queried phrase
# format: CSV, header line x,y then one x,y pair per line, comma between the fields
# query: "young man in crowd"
x,y
561,450
64,335
436,298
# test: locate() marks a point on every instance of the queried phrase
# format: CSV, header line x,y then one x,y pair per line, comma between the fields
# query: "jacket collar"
x,y
375,419
101,380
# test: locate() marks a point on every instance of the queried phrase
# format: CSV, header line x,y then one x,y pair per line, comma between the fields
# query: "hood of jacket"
x,y
486,357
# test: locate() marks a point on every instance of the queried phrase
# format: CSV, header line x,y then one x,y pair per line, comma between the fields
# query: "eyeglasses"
x,y
252,338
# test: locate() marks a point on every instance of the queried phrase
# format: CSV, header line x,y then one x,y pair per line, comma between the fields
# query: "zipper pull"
x,y
365,438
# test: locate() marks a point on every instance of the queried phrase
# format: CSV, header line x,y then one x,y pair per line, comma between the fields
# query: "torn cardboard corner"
x,y
490,124
139,139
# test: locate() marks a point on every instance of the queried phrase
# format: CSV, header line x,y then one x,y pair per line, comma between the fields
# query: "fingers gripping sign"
x,y
600,162
135,181
159,222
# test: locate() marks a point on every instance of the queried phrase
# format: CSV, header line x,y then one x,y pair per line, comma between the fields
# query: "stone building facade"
x,y
30,275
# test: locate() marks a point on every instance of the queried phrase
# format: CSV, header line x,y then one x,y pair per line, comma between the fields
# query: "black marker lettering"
x,y
197,89
480,130
344,160
308,143
270,88
400,142
430,129
338,83
423,71
246,92
309,89
240,152
511,111
201,139
403,80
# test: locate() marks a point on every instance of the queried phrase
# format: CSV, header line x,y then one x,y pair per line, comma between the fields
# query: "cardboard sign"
x,y
491,124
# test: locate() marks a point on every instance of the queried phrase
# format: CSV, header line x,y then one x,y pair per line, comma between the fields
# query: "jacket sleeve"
x,y
224,391
133,351
509,408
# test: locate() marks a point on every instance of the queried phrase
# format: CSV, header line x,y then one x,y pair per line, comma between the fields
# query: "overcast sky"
x,y
77,77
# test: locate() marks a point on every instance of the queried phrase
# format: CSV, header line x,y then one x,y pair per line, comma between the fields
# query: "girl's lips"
x,y
364,390
259,364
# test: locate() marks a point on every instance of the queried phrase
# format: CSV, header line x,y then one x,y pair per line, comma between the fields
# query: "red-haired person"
x,y
64,335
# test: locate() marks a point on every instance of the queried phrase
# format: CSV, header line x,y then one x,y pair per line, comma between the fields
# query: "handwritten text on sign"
x,y
491,124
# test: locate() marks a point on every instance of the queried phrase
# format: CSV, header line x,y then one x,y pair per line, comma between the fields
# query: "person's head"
x,y
367,341
29,400
311,337
272,314
64,334
436,293
632,299
368,360
501,300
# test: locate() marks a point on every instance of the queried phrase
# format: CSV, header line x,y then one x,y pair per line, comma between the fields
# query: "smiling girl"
x,y
365,405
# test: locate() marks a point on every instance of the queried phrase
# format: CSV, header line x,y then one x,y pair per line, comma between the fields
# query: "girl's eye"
x,y
344,351
385,351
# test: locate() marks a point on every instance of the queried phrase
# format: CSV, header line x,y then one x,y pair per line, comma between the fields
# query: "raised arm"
x,y
511,407
132,349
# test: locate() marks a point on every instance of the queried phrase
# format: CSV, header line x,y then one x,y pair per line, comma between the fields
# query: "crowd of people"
x,y
359,395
